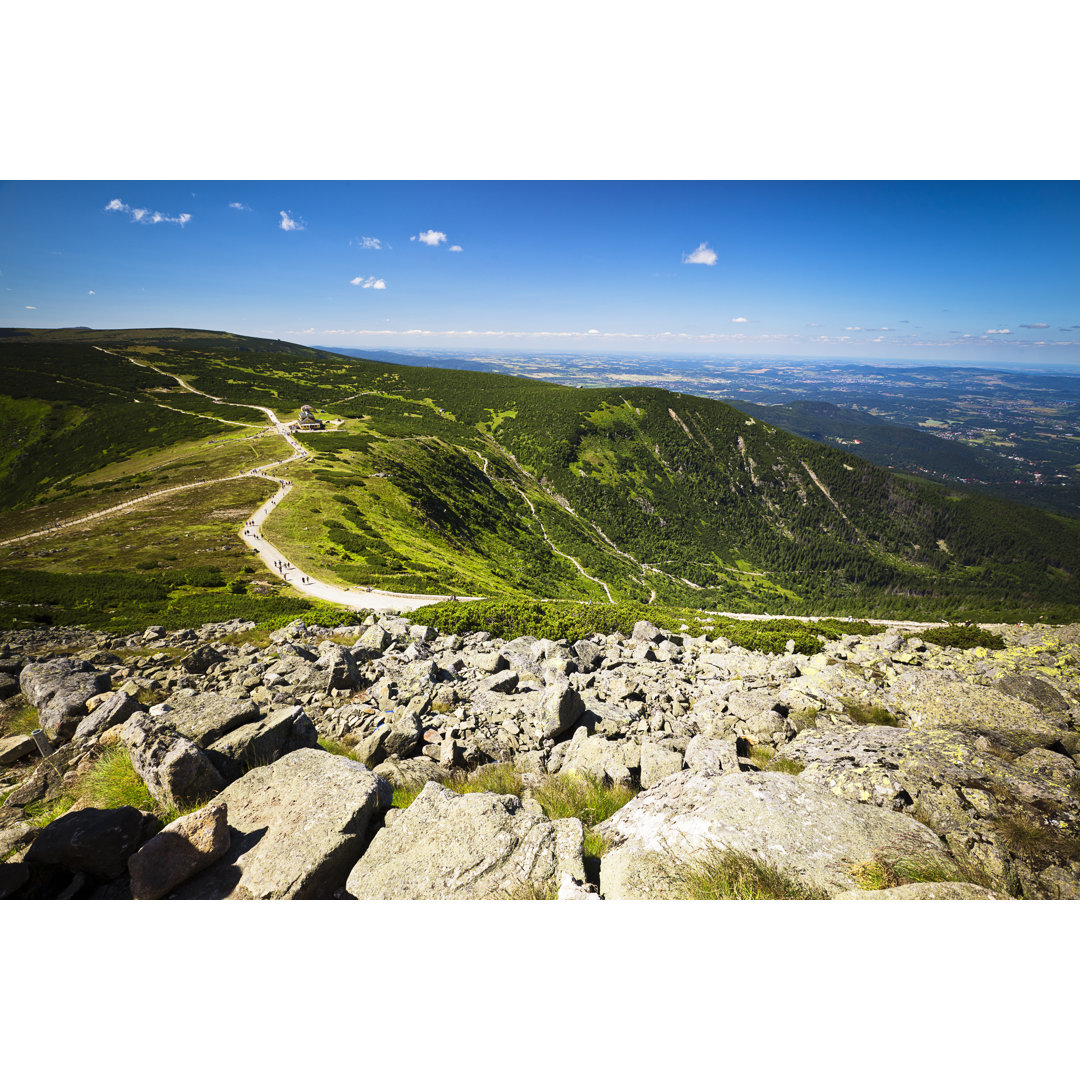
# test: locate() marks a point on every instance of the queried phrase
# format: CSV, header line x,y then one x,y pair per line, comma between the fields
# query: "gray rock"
x,y
200,660
373,642
410,772
115,710
296,827
658,762
59,690
15,747
183,848
174,769
447,846
205,718
403,738
560,708
257,743
1034,691
93,841
339,665
807,832
939,699
502,682
593,755
712,755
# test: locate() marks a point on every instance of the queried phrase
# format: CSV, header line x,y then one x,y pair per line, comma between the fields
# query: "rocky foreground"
x,y
880,761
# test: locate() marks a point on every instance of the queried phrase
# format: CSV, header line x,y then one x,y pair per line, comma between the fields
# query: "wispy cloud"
x,y
853,328
999,331
431,238
90,293
740,318
290,224
30,307
369,243
1034,325
702,255
239,206
144,216
368,282
454,247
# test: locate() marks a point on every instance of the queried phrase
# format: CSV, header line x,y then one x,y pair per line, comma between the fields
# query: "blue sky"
x,y
953,271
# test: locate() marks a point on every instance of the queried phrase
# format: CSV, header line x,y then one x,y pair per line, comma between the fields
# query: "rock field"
x,y
877,754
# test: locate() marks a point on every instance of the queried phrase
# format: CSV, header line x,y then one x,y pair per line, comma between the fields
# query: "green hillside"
x,y
434,480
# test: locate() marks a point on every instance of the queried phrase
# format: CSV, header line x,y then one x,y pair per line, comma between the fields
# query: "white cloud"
x,y
740,318
431,238
703,255
454,247
852,327
594,331
368,282
290,224
1035,325
999,331
144,216
238,206
372,243
90,293
30,307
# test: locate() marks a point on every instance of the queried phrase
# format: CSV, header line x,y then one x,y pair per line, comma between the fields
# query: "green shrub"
x,y
963,637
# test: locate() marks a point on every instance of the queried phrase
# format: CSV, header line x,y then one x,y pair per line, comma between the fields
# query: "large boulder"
x,y
447,846
93,841
295,827
183,848
59,690
339,665
560,708
200,660
176,772
261,741
808,833
941,699
205,718
116,709
593,755
1012,821
657,762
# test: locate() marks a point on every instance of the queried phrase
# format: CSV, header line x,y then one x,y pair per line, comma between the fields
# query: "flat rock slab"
x,y
296,827
805,831
940,699
460,847
205,718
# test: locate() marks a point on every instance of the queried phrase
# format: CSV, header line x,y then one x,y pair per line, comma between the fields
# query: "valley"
x,y
430,482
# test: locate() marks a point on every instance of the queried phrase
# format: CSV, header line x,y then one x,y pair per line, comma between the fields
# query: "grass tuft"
x,y
904,862
727,874
112,782
587,798
20,720
785,765
861,713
